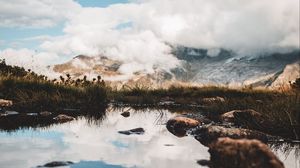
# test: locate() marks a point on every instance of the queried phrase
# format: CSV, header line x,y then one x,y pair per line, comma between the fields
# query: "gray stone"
x,y
138,131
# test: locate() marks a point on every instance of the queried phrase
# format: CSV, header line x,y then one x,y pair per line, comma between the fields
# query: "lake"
x,y
95,142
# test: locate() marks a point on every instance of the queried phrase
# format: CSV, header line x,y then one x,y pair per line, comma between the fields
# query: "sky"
x,y
38,33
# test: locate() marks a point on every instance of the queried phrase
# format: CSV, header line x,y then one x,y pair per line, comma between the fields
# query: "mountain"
x,y
197,67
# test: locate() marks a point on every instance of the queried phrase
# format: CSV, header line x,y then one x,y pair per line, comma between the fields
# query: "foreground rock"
x,y
5,103
63,118
137,131
243,153
57,164
209,134
180,125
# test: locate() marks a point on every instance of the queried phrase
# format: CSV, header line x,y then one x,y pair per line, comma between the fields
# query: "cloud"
x,y
35,13
30,59
137,32
252,26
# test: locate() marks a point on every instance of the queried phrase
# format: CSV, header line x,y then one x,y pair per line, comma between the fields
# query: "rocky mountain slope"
x,y
197,67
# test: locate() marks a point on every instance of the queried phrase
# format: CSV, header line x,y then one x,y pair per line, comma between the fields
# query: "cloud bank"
x,y
137,32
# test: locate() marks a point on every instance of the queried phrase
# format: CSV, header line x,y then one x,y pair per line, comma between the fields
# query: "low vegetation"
x,y
281,106
32,92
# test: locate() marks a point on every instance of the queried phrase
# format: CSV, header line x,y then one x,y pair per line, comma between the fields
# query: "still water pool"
x,y
92,143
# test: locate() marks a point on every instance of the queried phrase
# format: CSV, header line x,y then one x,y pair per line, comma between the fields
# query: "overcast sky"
x,y
136,31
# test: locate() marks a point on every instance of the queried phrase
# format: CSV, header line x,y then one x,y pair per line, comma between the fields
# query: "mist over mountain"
x,y
196,66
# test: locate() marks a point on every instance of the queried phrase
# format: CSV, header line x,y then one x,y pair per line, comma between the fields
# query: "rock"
x,y
125,114
138,131
45,113
180,125
5,103
63,118
209,134
251,119
57,164
228,116
166,103
212,100
234,115
243,153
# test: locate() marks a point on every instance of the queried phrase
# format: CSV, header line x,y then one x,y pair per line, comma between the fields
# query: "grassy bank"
x,y
282,107
32,92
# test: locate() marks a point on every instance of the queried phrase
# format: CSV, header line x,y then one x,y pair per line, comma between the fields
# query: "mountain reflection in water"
x,y
94,141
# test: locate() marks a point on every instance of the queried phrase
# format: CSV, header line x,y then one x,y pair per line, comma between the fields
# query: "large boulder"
x,y
209,134
243,153
63,118
180,125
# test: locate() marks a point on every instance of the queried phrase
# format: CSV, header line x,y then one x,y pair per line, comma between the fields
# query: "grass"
x,y
281,106
33,93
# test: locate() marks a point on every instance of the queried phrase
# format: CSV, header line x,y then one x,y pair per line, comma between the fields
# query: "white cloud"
x,y
35,13
29,59
243,26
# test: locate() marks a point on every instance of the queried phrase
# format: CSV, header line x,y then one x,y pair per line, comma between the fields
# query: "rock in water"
x,y
209,134
63,118
57,164
138,131
251,119
213,100
125,114
233,116
180,125
243,153
45,113
5,103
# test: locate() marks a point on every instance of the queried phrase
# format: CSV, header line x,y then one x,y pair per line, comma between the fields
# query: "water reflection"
x,y
95,142
92,140
288,153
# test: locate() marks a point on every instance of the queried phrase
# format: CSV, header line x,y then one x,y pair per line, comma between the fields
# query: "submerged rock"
x,y
125,114
5,103
209,134
57,164
212,100
63,118
180,125
45,113
138,131
243,153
